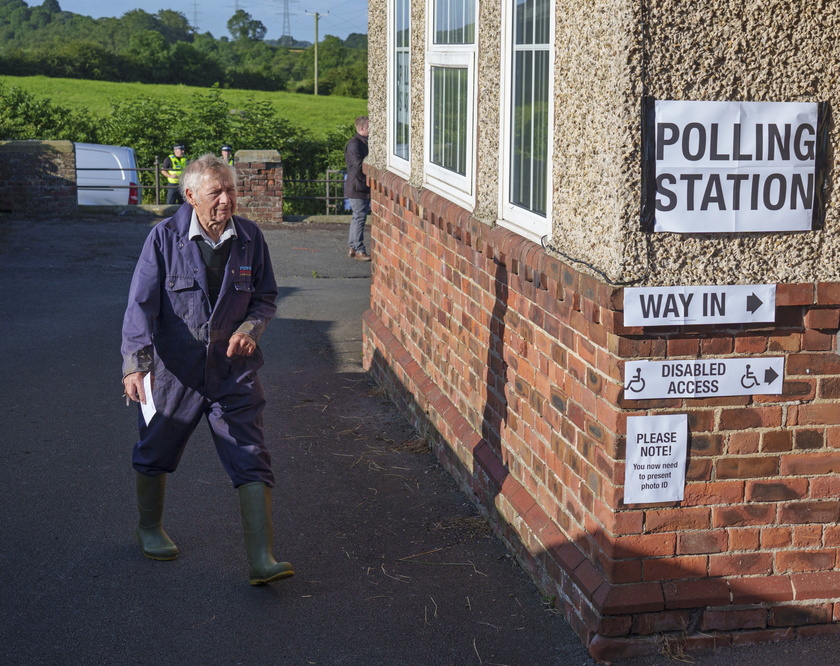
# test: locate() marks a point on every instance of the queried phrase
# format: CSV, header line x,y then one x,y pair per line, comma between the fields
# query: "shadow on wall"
x,y
621,601
37,177
495,406
670,611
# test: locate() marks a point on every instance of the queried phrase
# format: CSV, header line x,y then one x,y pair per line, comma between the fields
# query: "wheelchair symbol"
x,y
749,379
636,381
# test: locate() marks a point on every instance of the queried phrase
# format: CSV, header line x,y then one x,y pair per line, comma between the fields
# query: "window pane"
x,y
532,21
529,130
401,97
449,118
454,22
401,83
401,23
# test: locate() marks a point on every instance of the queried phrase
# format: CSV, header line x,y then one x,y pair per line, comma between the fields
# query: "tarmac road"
x,y
394,566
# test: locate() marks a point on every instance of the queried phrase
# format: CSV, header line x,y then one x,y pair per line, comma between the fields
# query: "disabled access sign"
x,y
706,378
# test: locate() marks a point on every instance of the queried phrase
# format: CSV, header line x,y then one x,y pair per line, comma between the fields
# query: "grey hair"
x,y
197,172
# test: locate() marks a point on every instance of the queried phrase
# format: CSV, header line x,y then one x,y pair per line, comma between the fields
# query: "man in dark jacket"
x,y
356,189
201,296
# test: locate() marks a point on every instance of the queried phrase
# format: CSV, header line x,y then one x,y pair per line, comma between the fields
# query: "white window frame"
x,y
511,216
456,187
396,163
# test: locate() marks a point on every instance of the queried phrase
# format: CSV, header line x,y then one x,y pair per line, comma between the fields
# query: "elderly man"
x,y
202,294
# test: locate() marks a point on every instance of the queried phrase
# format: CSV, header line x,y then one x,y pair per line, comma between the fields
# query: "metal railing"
x,y
139,186
300,190
329,190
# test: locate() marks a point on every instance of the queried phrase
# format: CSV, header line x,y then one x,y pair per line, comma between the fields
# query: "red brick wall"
x,y
259,175
512,361
38,177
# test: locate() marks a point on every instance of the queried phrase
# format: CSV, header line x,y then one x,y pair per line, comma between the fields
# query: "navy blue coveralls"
x,y
170,331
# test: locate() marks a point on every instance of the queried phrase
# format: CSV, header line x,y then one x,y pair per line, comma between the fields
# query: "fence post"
x,y
157,180
327,200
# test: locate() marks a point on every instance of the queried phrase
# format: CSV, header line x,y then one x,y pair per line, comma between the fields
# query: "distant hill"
x,y
309,132
164,48
289,42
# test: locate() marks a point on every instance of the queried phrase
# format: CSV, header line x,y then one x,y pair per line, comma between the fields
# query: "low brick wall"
x,y
38,177
260,184
512,362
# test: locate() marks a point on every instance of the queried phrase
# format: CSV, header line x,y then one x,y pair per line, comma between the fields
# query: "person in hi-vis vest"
x,y
227,154
172,168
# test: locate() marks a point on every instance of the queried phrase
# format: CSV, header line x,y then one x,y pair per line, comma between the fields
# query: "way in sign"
x,y
672,306
652,305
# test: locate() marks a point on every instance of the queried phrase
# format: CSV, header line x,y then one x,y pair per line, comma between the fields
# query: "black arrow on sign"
x,y
753,303
770,376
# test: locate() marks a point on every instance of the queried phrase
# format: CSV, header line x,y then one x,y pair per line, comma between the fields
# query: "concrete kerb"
x,y
164,210
317,219
150,210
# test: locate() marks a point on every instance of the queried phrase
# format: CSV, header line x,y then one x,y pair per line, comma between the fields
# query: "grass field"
x,y
317,114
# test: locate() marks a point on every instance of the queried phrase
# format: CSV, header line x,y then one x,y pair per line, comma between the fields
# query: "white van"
x,y
106,175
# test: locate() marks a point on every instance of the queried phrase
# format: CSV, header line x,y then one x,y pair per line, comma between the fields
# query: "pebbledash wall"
x,y
511,359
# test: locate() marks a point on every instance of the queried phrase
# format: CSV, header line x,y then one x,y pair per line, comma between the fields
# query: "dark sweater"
x,y
215,261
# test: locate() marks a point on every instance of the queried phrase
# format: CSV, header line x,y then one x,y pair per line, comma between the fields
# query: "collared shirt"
x,y
197,231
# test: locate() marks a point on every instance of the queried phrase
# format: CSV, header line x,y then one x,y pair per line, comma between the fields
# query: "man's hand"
x,y
241,345
133,386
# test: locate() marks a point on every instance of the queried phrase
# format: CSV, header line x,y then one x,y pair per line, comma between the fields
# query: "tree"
x,y
23,116
241,26
144,124
190,66
331,53
206,43
348,81
84,60
163,48
147,57
15,14
356,41
41,16
174,26
137,20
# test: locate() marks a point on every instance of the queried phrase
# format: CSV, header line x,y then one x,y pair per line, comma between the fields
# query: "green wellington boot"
x,y
154,542
255,503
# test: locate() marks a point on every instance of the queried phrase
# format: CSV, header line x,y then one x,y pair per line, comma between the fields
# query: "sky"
x,y
337,17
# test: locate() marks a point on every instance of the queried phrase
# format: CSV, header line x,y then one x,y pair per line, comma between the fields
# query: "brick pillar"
x,y
259,178
38,177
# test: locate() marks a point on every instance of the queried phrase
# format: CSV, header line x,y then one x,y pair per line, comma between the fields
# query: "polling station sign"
x,y
720,167
656,455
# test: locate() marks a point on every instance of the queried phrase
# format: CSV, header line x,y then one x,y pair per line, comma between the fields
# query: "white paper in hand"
x,y
149,407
